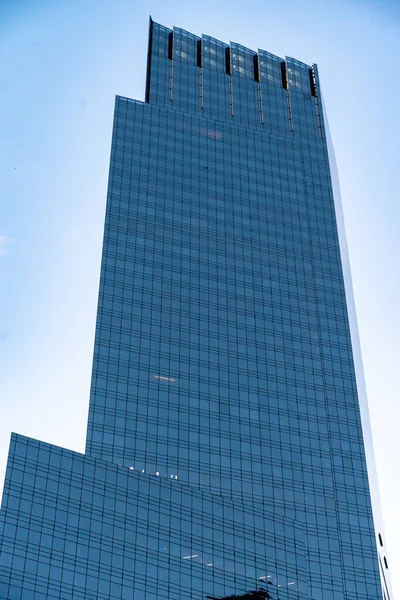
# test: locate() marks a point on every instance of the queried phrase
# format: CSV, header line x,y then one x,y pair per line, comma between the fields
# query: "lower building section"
x,y
76,527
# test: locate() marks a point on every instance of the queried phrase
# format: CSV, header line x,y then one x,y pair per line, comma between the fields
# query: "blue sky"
x,y
63,62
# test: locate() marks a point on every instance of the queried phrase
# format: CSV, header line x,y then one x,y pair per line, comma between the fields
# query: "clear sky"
x,y
63,61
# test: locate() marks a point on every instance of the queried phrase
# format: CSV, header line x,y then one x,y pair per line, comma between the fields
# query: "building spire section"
x,y
230,82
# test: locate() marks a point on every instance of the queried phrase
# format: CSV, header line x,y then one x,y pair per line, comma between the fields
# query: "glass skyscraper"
x,y
225,456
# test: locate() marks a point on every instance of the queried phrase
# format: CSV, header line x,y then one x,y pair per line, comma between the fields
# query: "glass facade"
x,y
225,454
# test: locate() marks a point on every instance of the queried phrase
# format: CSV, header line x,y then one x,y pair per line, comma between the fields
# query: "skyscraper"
x,y
225,454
